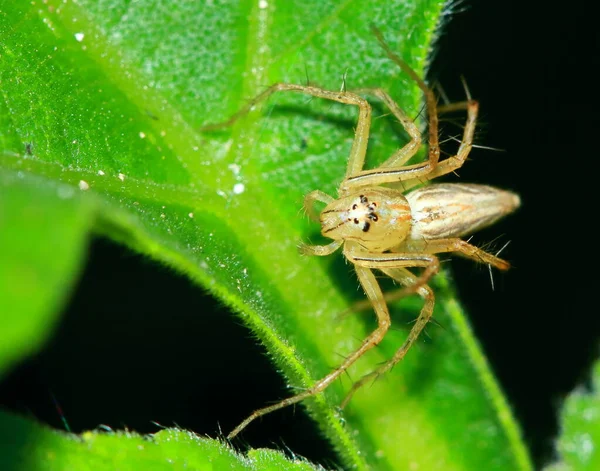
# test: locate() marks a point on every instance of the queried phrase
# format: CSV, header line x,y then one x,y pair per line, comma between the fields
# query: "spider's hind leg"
x,y
369,283
413,284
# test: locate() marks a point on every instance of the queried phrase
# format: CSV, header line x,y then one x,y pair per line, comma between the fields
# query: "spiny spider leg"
x,y
414,284
456,161
405,277
373,292
358,151
402,155
398,173
457,246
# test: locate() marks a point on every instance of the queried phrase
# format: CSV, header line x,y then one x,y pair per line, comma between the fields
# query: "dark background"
x,y
534,74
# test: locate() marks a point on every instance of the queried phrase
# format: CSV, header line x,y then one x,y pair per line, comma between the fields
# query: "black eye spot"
x,y
366,227
374,204
354,206
363,199
355,221
373,217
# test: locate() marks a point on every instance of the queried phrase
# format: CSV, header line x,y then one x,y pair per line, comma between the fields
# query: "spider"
x,y
381,225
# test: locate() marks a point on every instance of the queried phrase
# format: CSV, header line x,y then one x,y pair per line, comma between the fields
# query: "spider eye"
x,y
355,221
364,199
354,206
366,227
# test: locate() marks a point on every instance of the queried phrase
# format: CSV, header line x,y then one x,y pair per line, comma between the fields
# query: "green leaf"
x,y
169,449
580,429
103,101
43,232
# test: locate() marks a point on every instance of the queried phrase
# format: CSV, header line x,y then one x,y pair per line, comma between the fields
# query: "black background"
x,y
116,360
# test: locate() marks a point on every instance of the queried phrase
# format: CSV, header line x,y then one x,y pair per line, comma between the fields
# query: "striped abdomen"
x,y
457,209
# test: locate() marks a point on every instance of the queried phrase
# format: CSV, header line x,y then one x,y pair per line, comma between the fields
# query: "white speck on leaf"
x,y
235,168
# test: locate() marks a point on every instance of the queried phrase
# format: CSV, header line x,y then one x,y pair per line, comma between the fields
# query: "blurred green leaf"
x,y
579,441
99,128
43,232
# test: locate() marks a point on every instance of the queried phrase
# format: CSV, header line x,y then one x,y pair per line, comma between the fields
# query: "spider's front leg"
x,y
348,98
313,197
361,135
394,169
456,161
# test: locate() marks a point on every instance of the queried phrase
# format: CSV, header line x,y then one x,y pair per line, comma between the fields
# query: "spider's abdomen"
x,y
457,209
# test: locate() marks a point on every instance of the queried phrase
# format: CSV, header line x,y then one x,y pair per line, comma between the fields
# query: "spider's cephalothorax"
x,y
383,226
378,218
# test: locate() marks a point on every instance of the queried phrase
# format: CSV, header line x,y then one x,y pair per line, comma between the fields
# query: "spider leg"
x,y
418,284
402,155
456,161
373,291
393,170
312,198
309,206
402,275
459,247
394,265
320,250
361,135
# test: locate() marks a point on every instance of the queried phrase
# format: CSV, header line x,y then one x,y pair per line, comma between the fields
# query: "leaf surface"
x,y
29,446
106,99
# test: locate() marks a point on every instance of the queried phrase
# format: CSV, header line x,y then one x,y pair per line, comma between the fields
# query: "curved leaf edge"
x,y
25,444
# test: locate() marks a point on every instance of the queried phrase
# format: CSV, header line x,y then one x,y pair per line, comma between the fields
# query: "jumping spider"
x,y
381,226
